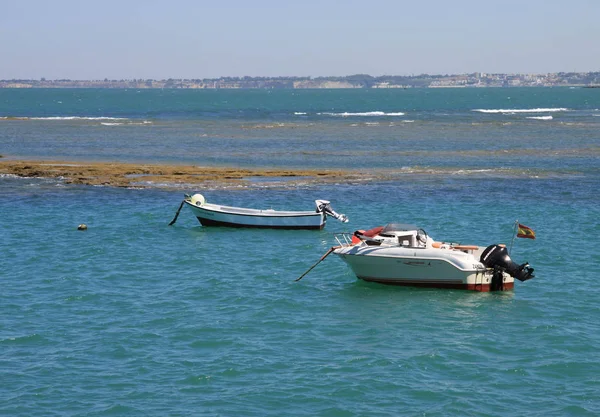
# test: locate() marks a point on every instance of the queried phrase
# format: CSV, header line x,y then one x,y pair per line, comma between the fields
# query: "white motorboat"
x,y
217,215
400,254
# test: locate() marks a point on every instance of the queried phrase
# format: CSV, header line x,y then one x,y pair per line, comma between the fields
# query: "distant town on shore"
x,y
477,79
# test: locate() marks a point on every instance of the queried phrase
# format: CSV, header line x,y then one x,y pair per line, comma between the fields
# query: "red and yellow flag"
x,y
525,232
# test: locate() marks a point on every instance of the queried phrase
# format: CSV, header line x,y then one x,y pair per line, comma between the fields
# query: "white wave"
x,y
76,118
505,172
540,117
469,171
127,123
365,114
512,111
300,113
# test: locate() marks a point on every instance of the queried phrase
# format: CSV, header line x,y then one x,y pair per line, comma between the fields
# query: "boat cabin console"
x,y
395,234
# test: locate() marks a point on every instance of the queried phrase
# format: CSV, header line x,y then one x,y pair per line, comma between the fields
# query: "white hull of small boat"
x,y
405,255
217,215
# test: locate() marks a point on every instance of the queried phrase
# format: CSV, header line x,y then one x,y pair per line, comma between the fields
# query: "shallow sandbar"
x,y
141,175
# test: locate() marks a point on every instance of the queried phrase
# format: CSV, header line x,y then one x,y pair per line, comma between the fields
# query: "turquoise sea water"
x,y
133,317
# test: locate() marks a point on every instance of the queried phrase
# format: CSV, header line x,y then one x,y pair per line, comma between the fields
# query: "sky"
x,y
133,39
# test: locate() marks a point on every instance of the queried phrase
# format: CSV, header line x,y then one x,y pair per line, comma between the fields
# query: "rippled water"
x,y
133,317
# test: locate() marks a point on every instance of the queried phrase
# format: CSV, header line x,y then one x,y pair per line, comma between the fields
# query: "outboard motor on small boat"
x,y
497,256
324,206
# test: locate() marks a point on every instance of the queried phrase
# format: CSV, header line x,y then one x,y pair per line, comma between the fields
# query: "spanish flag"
x,y
526,232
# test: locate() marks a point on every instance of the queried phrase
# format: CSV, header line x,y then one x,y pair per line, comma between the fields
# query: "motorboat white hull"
x,y
405,255
418,268
217,215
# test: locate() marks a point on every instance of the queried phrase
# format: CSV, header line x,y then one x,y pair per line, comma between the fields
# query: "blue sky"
x,y
126,39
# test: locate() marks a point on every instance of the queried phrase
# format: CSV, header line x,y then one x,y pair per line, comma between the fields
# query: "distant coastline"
x,y
477,79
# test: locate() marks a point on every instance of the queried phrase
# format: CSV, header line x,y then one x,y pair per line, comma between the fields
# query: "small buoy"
x,y
82,227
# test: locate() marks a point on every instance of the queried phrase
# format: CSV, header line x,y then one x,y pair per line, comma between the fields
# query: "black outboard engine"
x,y
497,256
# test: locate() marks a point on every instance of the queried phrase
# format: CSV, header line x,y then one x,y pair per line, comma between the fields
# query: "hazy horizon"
x,y
186,39
285,76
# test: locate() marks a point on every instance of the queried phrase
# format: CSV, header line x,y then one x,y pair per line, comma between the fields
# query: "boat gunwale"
x,y
215,208
409,258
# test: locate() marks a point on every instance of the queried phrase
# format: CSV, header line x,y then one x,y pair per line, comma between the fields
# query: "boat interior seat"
x,y
371,232
355,240
367,237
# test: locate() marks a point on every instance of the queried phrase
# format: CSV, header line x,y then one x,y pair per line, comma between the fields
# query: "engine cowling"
x,y
497,256
323,206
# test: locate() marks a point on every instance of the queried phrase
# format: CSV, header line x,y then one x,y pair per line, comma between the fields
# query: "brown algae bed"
x,y
141,175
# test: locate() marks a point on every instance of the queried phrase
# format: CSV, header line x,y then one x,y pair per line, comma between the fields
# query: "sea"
x,y
134,317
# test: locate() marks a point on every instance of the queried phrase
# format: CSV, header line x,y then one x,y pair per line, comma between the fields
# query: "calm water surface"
x,y
133,317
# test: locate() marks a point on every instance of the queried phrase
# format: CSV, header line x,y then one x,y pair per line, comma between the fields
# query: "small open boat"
x,y
217,215
400,254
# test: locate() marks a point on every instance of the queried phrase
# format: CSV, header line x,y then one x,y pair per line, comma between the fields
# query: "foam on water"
x,y
59,118
540,117
515,111
363,114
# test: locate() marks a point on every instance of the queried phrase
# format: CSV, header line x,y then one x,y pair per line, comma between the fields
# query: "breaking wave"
x,y
62,118
145,122
78,118
540,117
482,173
362,114
513,111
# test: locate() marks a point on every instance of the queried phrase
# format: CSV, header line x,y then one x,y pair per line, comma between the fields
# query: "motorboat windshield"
x,y
398,227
